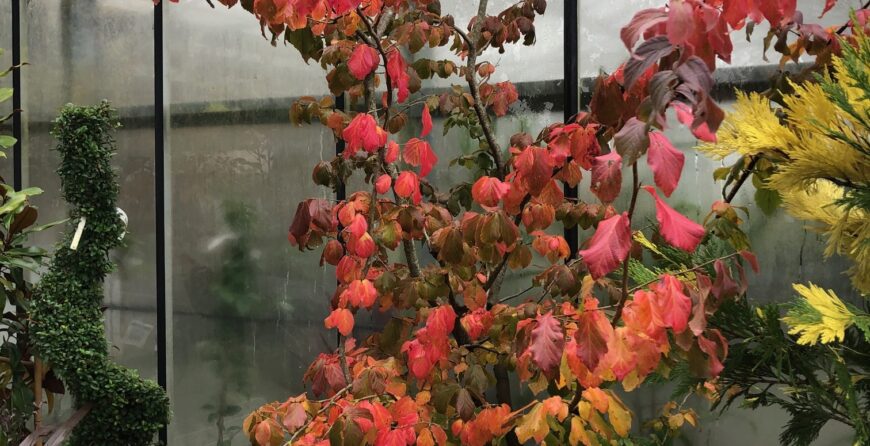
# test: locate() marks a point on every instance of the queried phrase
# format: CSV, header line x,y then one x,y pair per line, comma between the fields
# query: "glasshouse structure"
x,y
435,222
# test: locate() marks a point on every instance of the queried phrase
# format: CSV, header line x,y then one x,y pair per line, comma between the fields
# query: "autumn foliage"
x,y
434,257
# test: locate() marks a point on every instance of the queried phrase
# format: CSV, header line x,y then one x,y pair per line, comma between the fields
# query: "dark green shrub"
x,y
67,319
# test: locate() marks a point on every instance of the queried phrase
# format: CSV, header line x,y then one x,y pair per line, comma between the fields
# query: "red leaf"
x,y
363,247
534,169
263,433
680,21
419,153
408,186
363,61
383,183
392,153
441,321
642,21
631,140
419,363
593,333
828,5
427,122
342,6
685,116
358,225
609,246
295,417
671,306
342,319
724,285
332,253
712,348
547,345
750,257
363,133
647,54
665,161
607,176
677,230
488,191
360,294
397,69
477,323
348,269
505,94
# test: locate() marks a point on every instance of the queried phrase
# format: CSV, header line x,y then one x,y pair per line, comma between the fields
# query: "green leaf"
x,y
6,142
767,200
5,94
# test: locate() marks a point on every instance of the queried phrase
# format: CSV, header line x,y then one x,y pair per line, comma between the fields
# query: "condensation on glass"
x,y
84,52
246,309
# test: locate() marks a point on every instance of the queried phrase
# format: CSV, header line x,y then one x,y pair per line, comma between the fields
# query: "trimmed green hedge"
x,y
67,319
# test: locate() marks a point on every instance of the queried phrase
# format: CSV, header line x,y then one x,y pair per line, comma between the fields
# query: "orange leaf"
x,y
342,319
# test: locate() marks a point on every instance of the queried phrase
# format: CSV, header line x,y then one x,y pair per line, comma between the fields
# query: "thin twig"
x,y
635,188
743,177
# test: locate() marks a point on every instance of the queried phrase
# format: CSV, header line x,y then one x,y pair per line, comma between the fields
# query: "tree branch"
x,y
635,188
747,171
408,247
474,87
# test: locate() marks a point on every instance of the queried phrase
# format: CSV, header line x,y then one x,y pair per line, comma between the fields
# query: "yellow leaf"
x,y
539,384
676,421
578,433
631,381
620,416
533,425
821,316
691,417
566,377
423,397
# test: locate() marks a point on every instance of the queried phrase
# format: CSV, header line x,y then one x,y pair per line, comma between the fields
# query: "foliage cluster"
x,y
19,387
810,146
66,315
441,370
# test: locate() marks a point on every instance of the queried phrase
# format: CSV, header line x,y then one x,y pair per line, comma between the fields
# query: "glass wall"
x,y
6,82
81,52
246,312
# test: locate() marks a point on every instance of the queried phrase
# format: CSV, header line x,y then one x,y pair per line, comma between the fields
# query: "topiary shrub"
x,y
67,319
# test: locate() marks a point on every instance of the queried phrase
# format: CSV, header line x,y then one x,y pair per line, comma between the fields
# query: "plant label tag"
x,y
74,245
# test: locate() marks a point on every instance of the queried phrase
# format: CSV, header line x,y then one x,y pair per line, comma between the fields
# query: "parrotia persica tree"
x,y
441,370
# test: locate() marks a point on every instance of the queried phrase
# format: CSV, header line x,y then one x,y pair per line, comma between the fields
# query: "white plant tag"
x,y
124,219
74,245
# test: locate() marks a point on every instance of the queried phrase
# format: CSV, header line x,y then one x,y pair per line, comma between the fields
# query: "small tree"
x,y
66,314
441,370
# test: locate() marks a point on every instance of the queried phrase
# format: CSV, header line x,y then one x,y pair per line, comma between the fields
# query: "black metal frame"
x,y
571,81
160,205
16,94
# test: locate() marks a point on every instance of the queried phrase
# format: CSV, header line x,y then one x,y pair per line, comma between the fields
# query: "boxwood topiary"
x,y
67,319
